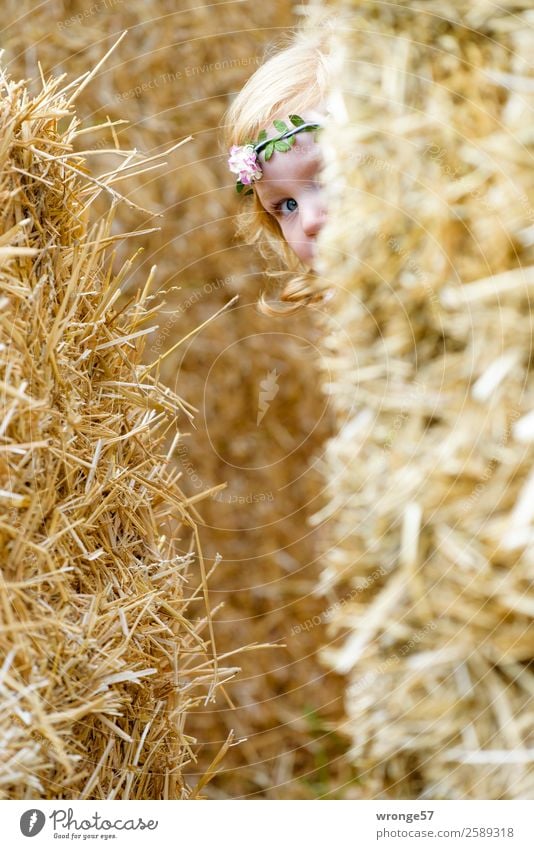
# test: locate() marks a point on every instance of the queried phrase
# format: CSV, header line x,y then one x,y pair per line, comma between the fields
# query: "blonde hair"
x,y
294,79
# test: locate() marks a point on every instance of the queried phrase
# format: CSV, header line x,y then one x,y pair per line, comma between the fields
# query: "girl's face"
x,y
289,190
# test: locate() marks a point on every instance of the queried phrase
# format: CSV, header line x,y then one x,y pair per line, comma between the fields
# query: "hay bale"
x,y
105,648
430,244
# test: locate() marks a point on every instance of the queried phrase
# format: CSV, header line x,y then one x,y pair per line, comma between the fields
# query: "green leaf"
x,y
262,136
281,126
291,140
269,150
282,145
296,120
248,192
239,186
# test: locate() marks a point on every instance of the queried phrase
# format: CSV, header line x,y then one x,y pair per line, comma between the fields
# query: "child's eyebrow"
x,y
276,190
270,202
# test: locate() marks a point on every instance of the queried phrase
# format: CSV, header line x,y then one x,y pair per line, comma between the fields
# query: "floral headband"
x,y
244,159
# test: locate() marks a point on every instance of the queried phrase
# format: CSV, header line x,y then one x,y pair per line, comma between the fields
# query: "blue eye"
x,y
291,206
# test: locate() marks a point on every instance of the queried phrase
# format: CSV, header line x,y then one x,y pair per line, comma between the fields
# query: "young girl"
x,y
272,132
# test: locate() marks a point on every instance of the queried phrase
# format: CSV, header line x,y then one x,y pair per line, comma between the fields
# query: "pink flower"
x,y
243,161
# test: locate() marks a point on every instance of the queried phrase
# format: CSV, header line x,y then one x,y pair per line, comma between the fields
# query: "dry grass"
x,y
429,360
106,646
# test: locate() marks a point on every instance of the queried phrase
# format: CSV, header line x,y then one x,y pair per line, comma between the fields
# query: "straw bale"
x,y
106,647
428,358
173,75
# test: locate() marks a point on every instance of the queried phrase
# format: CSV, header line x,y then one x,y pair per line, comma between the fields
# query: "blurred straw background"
x,y
429,364
171,77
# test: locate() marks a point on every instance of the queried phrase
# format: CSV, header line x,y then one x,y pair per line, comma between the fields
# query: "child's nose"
x,y
313,216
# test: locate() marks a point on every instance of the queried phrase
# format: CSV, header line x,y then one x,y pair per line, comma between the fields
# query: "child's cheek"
x,y
275,220
285,228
